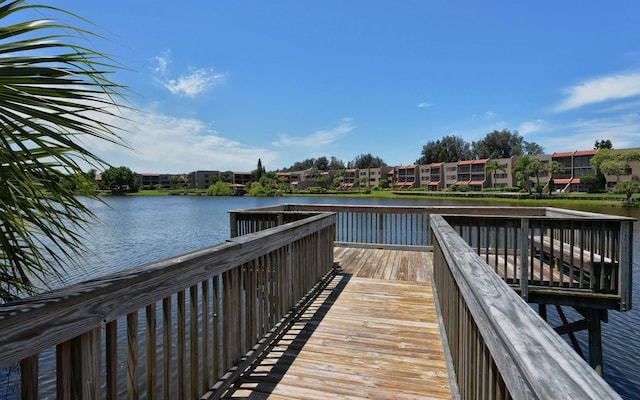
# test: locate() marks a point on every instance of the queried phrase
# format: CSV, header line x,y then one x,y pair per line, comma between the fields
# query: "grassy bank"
x,y
564,200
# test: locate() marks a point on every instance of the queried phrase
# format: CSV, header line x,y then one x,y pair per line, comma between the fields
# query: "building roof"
x,y
436,164
434,182
563,154
464,162
585,153
476,183
561,181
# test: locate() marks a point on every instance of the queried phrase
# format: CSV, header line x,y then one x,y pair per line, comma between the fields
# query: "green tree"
x,y
259,170
533,149
220,188
604,144
120,179
492,167
448,149
322,163
608,162
504,144
523,171
53,92
535,168
628,188
594,182
335,164
364,161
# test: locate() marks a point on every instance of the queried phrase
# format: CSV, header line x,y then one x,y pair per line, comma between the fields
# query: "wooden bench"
x,y
586,266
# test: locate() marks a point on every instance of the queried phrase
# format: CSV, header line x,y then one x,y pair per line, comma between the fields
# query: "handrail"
x,y
578,254
574,252
500,348
250,281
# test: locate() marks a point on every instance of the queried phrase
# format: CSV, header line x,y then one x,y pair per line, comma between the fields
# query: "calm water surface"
x,y
136,230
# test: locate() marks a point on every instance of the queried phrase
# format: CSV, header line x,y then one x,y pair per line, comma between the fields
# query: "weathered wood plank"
x,y
361,338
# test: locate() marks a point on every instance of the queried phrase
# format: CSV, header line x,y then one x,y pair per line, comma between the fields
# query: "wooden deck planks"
x,y
362,337
388,264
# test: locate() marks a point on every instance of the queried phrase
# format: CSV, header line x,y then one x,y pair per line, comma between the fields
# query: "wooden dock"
x,y
373,332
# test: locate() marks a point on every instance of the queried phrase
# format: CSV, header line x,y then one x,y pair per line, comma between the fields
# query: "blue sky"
x,y
220,84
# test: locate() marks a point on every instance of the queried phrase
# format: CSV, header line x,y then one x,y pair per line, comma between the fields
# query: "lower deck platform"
x,y
373,332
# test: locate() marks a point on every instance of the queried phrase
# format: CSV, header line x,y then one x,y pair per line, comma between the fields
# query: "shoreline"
x,y
593,200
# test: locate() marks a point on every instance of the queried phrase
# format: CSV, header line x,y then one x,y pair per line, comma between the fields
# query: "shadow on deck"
x,y
372,332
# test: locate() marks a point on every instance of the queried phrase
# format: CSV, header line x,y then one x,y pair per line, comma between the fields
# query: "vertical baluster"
x,y
194,358
181,346
111,363
166,348
29,377
132,355
217,320
206,334
150,313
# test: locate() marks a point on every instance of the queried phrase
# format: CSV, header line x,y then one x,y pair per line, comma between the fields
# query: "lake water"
x,y
136,230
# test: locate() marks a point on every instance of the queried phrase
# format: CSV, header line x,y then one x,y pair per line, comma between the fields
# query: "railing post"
x,y
524,258
280,218
380,228
625,256
233,228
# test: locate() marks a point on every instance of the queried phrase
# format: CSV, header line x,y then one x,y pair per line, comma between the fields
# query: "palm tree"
x,y
492,166
535,168
522,171
52,93
553,167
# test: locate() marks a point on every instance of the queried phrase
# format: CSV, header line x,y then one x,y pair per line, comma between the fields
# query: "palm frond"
x,y
52,93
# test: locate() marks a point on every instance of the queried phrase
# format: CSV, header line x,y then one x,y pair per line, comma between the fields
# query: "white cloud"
x,y
193,84
623,131
489,114
167,144
530,127
162,63
318,138
600,90
424,105
190,84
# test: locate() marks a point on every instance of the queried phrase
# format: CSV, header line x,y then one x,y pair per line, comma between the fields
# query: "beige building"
x,y
406,176
201,179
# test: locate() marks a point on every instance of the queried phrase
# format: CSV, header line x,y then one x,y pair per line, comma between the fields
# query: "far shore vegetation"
x,y
555,200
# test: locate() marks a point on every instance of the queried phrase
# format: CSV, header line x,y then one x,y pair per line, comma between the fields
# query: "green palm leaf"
x,y
52,93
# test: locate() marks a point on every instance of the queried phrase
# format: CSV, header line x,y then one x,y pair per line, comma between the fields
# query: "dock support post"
x,y
595,340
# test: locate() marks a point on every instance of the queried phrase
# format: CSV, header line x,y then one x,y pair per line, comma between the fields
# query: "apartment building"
x,y
291,179
242,178
201,179
575,164
370,177
433,177
406,176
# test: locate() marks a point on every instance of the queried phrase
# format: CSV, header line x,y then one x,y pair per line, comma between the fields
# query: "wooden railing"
x,y
388,225
168,329
499,347
576,255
